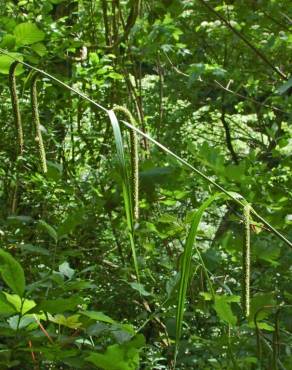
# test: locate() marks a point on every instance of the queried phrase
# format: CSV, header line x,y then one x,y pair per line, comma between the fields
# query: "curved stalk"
x,y
36,120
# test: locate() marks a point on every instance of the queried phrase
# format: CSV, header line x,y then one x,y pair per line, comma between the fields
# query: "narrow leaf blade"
x,y
125,185
186,263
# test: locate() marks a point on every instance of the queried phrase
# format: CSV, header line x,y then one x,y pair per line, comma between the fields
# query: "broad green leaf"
x,y
66,270
69,224
168,219
168,226
6,61
265,326
115,76
29,248
79,285
27,34
286,86
235,172
6,308
267,251
123,356
8,42
69,321
12,273
49,229
27,321
21,305
97,316
15,322
8,23
39,48
55,171
140,288
257,307
212,157
207,296
223,309
59,305
185,266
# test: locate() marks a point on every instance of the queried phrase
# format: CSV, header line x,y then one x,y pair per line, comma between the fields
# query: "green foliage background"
x,y
211,81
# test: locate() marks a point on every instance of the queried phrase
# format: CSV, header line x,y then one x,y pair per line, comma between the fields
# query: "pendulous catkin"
x,y
246,261
36,120
134,160
15,106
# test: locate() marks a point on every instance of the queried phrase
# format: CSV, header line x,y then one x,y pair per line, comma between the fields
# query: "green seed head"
x,y
36,120
246,261
134,160
15,106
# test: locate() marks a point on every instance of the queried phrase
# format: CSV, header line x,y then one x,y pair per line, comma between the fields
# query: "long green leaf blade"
x,y
125,185
186,263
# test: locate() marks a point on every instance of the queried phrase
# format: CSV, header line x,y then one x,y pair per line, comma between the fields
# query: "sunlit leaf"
x,y
71,322
123,356
12,273
27,34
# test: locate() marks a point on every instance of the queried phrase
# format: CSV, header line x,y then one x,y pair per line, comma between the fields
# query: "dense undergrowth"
x,y
145,160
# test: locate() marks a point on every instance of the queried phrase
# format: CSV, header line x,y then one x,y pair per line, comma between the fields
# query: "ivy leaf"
x,y
27,34
12,273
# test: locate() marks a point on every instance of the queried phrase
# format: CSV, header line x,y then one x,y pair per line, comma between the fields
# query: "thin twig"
x,y
245,40
178,71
